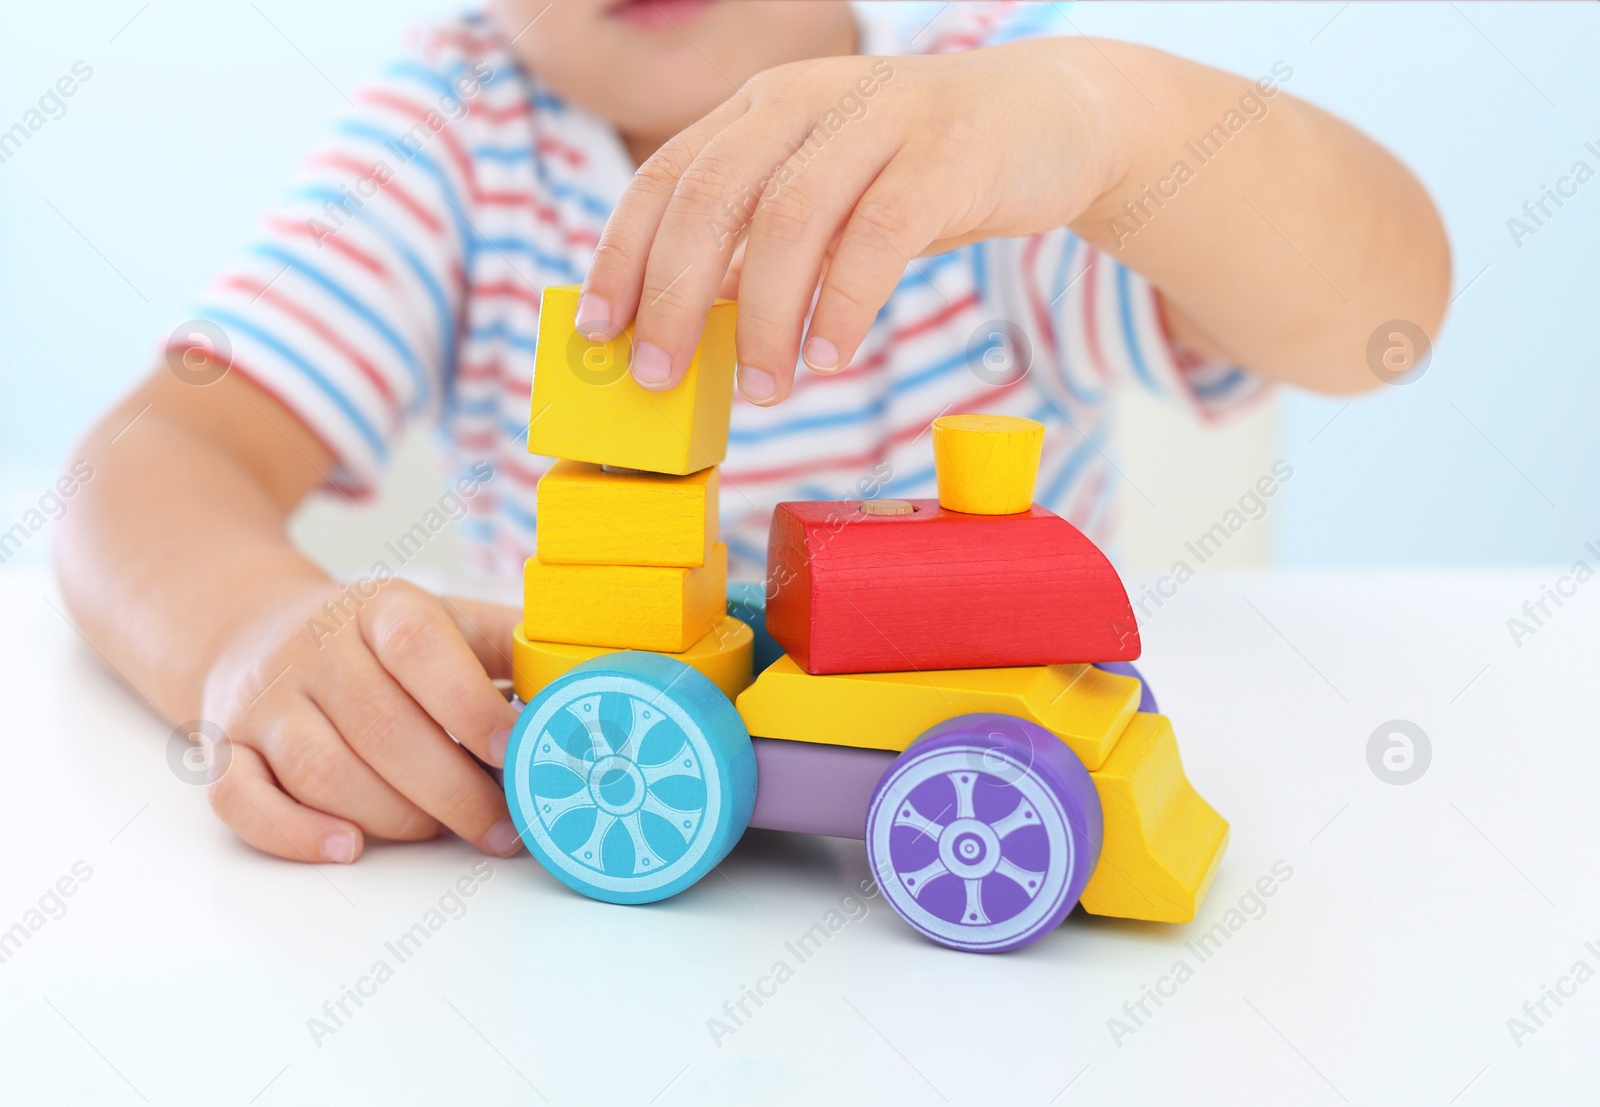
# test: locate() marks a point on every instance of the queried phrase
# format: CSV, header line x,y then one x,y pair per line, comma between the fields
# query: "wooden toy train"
x,y
947,679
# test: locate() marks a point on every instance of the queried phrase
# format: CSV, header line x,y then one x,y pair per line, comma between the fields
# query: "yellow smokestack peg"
x,y
986,464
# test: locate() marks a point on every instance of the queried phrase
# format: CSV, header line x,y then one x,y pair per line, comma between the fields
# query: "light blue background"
x,y
112,216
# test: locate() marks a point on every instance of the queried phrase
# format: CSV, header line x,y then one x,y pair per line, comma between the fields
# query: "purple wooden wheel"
x,y
1147,698
984,832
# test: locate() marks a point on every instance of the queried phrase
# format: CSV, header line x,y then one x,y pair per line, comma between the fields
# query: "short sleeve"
x,y
1105,326
345,305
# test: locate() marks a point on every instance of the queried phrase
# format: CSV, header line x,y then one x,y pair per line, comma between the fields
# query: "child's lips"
x,y
659,14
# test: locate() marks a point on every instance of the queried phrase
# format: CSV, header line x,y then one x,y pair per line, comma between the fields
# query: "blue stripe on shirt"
x,y
293,357
499,331
518,514
360,310
552,262
1125,311
1069,469
397,243
389,141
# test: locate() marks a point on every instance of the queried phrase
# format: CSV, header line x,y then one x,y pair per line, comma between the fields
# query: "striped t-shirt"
x,y
400,278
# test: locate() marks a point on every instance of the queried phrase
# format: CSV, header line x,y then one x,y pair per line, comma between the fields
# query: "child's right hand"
x,y
340,705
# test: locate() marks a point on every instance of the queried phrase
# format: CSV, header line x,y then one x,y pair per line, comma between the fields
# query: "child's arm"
x,y
176,565
1283,252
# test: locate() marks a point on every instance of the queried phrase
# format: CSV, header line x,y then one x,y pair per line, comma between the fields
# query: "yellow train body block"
x,y
723,655
638,607
1162,841
1087,707
587,406
589,516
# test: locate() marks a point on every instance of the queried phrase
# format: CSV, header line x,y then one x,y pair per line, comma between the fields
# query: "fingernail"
x,y
758,385
594,319
339,848
651,365
503,840
821,355
497,746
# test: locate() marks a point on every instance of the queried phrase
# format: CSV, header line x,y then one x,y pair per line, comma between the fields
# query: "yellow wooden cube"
x,y
724,656
588,516
638,607
587,406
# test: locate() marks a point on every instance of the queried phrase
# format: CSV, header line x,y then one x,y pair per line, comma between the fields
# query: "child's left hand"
x,y
860,164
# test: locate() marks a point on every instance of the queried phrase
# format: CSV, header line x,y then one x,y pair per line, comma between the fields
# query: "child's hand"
x,y
340,708
860,164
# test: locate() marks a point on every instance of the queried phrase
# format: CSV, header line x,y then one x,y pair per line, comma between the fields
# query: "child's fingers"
x,y
416,637
610,295
390,732
315,766
250,802
797,219
487,627
889,226
698,233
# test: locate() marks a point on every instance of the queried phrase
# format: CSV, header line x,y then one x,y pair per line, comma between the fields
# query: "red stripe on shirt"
x,y
329,238
321,329
974,402
1091,320
391,187
458,153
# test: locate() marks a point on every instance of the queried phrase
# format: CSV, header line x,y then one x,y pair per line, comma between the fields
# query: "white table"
x,y
1417,920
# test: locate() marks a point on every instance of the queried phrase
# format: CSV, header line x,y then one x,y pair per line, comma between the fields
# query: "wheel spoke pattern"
x,y
620,776
1002,809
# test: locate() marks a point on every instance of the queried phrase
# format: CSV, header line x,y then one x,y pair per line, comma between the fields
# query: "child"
x,y
988,214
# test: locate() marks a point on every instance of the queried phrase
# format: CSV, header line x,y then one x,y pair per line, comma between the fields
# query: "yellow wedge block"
x,y
586,405
1162,841
637,607
589,516
1086,706
724,655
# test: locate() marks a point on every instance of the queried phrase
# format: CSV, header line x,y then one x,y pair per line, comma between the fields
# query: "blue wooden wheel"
x,y
630,777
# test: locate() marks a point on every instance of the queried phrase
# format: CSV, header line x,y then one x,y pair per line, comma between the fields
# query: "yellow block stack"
x,y
627,555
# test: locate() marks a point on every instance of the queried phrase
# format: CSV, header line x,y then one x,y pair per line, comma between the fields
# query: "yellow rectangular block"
x,y
1087,707
638,607
588,516
724,656
1162,841
586,405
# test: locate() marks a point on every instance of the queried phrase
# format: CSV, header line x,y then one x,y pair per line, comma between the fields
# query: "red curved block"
x,y
936,589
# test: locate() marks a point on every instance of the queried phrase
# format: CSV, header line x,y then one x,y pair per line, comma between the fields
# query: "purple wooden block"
x,y
984,833
1147,698
814,788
